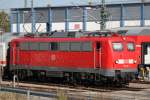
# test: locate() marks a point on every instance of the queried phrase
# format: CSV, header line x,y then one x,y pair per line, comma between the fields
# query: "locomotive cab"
x,y
125,59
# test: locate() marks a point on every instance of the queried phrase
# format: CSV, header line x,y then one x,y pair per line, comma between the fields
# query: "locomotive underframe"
x,y
74,74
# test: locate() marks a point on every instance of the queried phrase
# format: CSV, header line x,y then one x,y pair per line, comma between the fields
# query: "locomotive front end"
x,y
125,59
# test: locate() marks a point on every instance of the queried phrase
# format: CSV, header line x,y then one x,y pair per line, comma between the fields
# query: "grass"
x,y
61,95
11,96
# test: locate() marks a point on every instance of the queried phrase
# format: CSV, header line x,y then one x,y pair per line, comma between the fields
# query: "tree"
x,y
4,22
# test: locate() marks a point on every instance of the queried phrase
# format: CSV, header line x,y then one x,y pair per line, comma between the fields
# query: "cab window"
x,y
130,46
117,46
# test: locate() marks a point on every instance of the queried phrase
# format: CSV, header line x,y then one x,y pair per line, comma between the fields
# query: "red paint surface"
x,y
105,58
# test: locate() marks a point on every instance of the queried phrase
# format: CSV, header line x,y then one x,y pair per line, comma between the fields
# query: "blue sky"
x,y
6,4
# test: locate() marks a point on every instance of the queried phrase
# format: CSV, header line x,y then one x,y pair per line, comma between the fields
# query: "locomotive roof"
x,y
72,36
133,30
45,39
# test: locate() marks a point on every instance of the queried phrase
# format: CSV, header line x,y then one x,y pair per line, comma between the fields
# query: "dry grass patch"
x,y
12,96
61,95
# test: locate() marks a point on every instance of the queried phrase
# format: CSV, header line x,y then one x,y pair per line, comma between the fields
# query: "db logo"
x,y
53,57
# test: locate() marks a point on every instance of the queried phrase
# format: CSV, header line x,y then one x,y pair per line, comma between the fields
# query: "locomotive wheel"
x,y
21,74
34,75
70,78
38,75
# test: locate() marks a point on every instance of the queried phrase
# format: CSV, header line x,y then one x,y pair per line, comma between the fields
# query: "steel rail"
x,y
26,91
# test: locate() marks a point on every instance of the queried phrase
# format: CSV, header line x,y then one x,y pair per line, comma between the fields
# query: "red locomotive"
x,y
87,58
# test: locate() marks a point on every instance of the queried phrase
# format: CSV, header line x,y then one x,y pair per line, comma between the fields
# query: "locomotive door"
x,y
17,53
12,51
145,53
97,55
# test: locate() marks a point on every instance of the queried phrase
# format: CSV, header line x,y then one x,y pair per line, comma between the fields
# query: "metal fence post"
x,y
89,98
28,95
14,81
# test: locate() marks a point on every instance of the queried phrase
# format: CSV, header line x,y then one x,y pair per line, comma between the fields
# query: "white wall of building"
x,y
112,24
132,23
58,26
40,27
147,22
14,27
91,26
75,26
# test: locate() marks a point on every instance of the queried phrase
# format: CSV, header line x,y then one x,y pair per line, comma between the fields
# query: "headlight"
x,y
116,61
120,61
135,61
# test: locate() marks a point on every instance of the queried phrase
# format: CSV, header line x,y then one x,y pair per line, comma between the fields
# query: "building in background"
x,y
79,17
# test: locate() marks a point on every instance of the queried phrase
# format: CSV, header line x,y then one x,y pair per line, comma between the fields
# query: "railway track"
x,y
141,81
133,91
51,86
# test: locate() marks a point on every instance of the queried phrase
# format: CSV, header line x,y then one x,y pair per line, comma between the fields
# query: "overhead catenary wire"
x,y
103,14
